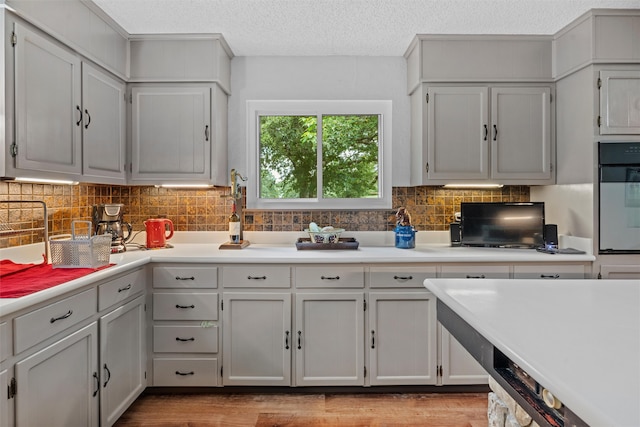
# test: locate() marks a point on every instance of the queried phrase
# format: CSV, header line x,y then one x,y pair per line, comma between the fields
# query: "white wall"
x,y
570,206
326,77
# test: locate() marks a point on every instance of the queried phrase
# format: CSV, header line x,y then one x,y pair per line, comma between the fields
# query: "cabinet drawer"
x,y
5,341
188,306
185,372
549,271
330,276
256,276
185,276
475,271
400,277
185,339
47,321
120,289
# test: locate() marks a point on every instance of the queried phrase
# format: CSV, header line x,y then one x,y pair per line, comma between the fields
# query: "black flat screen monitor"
x,y
502,224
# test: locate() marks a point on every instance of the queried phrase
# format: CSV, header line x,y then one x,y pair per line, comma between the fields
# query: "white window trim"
x,y
257,108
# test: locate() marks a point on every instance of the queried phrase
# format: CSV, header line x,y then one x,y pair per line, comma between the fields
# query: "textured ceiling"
x,y
345,27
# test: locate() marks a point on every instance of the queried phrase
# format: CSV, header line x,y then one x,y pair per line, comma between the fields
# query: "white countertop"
x,y
196,248
578,338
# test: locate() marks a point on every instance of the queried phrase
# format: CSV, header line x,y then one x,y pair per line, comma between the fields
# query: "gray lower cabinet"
x,y
457,366
257,340
122,359
6,402
185,326
401,338
67,369
329,344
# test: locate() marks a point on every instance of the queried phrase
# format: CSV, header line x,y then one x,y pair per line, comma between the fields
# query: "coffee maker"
x,y
107,219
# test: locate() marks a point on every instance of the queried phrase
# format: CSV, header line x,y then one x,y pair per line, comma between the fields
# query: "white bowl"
x,y
329,236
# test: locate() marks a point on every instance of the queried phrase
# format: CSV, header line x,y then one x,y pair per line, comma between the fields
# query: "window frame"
x,y
381,108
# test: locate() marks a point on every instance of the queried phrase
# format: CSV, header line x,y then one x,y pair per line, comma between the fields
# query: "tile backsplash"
x,y
431,208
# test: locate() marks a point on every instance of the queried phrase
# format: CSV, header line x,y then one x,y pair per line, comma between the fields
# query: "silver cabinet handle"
x,y
64,316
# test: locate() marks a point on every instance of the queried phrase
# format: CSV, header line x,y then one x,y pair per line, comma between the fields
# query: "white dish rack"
x,y
80,250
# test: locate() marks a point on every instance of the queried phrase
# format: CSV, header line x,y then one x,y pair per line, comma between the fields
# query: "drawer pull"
x,y
185,306
184,374
549,276
403,277
373,339
257,277
286,340
64,316
185,339
126,288
95,377
330,277
482,276
185,278
108,375
299,340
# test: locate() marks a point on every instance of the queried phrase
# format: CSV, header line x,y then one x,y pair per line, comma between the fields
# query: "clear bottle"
x,y
234,225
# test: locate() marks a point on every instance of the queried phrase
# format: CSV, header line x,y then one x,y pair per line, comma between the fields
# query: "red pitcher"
x,y
159,230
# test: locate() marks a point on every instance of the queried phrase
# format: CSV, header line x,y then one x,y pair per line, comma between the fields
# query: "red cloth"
x,y
18,280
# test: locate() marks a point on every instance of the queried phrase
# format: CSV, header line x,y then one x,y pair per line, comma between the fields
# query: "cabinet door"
x,y
620,102
58,386
103,135
329,339
458,366
48,113
171,133
6,400
521,133
402,338
122,359
458,133
257,338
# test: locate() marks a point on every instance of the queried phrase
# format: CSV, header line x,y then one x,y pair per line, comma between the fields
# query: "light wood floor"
x,y
317,410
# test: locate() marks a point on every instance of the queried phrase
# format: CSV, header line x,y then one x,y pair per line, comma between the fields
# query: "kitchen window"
x,y
319,154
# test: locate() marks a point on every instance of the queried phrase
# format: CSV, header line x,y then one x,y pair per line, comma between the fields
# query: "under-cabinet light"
x,y
184,186
45,181
473,186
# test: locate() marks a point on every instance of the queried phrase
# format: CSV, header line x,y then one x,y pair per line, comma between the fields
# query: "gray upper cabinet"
x,y
481,109
619,102
179,109
482,133
490,58
103,127
47,105
82,26
171,133
521,133
181,58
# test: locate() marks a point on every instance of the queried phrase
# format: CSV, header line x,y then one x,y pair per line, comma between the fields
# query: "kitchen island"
x,y
578,339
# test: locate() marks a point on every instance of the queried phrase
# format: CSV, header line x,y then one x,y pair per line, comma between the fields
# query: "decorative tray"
x,y
305,243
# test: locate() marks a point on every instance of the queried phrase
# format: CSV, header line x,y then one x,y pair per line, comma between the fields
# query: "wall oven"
x,y
619,197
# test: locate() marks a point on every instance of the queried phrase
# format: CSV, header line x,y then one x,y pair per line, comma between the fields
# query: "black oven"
x,y
619,197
